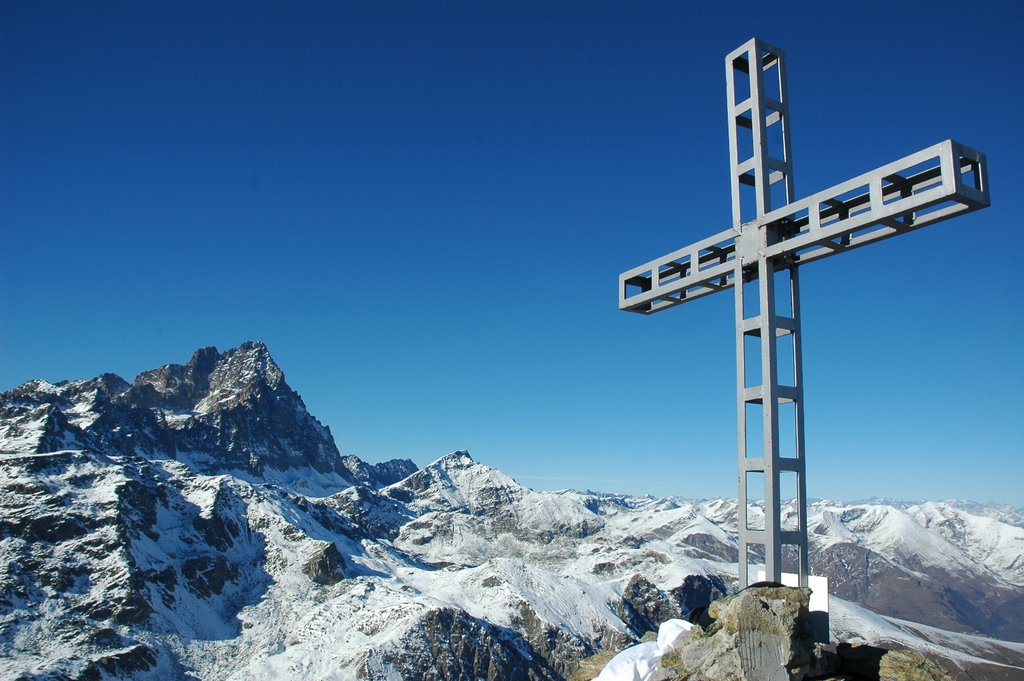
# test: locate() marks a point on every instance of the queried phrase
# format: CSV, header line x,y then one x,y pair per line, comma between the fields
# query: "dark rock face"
x,y
237,406
872,663
206,576
378,475
363,513
229,412
175,387
925,594
712,547
326,566
458,647
99,522
134,660
644,606
698,591
556,649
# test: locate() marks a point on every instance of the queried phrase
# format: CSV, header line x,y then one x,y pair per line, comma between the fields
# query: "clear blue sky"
x,y
423,208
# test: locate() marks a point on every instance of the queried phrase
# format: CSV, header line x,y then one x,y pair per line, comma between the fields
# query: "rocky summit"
x,y
764,633
200,523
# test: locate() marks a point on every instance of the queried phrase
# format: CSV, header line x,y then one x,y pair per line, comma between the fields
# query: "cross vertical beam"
x,y
770,396
759,144
762,180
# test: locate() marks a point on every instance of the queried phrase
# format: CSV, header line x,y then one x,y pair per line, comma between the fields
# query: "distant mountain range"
x,y
200,523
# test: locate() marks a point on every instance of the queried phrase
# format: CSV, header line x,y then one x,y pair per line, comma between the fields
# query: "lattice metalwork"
x,y
758,258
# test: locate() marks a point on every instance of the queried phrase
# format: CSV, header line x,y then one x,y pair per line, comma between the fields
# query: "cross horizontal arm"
x,y
680,276
918,190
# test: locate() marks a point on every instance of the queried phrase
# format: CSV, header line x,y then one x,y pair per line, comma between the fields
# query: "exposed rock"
x,y
175,387
125,663
458,647
712,547
861,661
905,585
233,407
326,566
378,475
644,606
907,665
760,633
238,405
456,485
558,649
362,512
871,663
698,591
207,575
592,666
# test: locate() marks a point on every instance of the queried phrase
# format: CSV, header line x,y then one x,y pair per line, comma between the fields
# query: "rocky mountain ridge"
x,y
200,523
230,413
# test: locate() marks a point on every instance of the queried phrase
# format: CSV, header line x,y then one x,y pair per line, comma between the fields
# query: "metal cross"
x,y
759,257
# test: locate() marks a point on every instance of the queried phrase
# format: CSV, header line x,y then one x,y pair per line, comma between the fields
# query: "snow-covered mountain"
x,y
200,523
930,562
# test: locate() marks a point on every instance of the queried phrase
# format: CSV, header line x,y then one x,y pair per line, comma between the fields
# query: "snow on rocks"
x,y
639,662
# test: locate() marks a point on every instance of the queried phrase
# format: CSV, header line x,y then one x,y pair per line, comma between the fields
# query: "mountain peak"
x,y
457,459
456,481
210,381
253,354
239,375
204,360
253,417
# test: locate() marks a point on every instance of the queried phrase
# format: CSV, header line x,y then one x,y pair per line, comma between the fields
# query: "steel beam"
x,y
919,190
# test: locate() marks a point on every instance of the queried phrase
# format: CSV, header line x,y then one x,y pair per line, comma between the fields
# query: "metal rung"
x,y
783,326
784,393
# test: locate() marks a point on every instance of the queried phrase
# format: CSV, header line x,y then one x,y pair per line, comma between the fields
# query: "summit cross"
x,y
772,234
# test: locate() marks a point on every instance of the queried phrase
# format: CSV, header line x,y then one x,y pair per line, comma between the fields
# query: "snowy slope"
x,y
200,523
964,655
931,562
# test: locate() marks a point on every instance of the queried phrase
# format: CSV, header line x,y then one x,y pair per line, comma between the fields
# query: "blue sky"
x,y
423,208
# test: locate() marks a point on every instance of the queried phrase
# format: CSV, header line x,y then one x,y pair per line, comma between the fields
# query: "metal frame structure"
x,y
759,257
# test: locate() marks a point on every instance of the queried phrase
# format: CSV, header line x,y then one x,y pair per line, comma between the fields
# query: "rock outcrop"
x,y
229,412
380,474
762,633
457,646
759,633
326,565
870,663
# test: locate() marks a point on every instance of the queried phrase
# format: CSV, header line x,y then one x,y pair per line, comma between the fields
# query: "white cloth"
x,y
638,662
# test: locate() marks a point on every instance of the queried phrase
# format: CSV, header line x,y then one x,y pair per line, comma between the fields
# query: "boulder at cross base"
x,y
759,633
